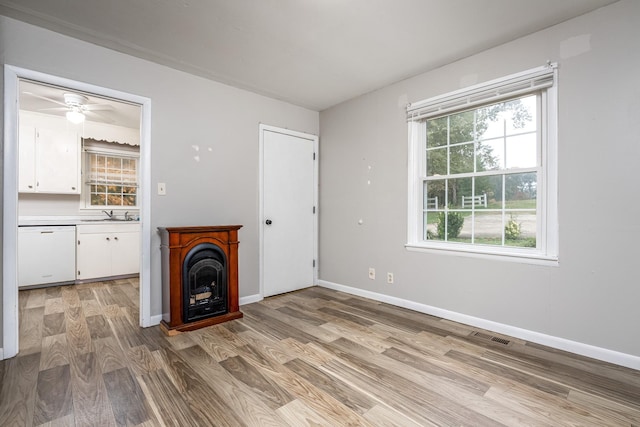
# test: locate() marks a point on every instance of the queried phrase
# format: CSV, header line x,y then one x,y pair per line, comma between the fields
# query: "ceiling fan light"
x,y
75,116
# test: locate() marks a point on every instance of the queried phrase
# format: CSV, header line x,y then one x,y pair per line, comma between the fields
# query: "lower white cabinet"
x,y
46,254
105,250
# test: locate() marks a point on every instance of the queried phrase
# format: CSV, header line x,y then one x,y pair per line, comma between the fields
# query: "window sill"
x,y
486,253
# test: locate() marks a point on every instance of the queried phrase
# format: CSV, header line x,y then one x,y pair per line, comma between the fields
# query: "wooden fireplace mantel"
x,y
176,244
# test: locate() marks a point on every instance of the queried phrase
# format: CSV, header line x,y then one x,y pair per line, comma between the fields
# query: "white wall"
x,y
186,112
592,297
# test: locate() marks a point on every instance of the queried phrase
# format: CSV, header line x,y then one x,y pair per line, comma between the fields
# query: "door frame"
x,y
314,138
12,75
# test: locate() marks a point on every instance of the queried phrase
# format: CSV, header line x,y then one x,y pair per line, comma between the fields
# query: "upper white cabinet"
x,y
49,159
27,160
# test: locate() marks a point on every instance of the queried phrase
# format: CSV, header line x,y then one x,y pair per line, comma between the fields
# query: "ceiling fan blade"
x,y
102,117
54,109
45,98
97,107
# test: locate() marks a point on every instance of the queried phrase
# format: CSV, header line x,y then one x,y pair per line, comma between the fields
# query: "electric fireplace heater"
x,y
199,276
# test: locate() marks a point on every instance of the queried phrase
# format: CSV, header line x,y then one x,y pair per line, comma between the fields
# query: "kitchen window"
x,y
111,180
482,169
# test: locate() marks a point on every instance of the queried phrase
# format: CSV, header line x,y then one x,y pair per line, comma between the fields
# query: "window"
x,y
112,180
482,175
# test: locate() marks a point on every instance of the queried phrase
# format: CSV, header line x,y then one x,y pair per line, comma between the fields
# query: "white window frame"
x,y
542,81
86,186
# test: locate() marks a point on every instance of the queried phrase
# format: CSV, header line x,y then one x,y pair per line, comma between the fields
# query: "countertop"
x,y
51,221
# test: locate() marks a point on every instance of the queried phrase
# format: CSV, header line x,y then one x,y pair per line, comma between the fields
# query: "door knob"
x,y
268,222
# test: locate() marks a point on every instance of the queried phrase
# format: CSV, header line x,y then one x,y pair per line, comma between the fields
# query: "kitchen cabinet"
x,y
106,250
49,160
46,255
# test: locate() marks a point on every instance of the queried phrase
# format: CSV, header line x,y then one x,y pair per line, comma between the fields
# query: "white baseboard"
x,y
611,356
1,353
250,299
155,320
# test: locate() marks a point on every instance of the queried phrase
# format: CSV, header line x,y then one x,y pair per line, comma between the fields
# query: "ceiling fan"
x,y
76,106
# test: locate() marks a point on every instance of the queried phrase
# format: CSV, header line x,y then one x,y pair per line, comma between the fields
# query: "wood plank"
x,y
384,416
333,386
53,324
91,404
250,409
98,326
109,353
126,397
18,390
171,406
55,351
201,395
53,305
30,330
269,392
78,336
298,414
53,394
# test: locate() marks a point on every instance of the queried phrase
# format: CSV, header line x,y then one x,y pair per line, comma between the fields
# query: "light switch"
x,y
162,189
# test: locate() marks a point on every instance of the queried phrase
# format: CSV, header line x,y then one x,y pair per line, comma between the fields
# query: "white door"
x,y
289,196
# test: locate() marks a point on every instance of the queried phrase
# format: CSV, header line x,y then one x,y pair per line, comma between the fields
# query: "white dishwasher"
x,y
46,254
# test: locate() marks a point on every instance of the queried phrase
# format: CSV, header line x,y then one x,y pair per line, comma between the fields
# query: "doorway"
x,y
12,77
288,210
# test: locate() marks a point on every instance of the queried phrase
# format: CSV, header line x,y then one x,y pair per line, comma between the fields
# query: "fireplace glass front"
x,y
205,283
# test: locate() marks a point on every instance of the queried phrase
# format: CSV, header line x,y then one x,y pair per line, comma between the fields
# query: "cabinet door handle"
x,y
115,238
108,238
73,188
30,186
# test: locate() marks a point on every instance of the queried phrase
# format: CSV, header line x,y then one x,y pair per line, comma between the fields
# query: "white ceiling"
x,y
313,53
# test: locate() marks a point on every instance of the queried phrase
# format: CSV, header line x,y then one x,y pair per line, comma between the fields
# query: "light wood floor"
x,y
310,358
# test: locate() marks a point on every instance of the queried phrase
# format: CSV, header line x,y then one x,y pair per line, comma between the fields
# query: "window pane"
x,y
437,162
520,115
129,190
488,228
520,229
461,127
521,191
521,151
437,132
507,118
434,194
460,190
98,199
493,187
461,158
129,200
490,155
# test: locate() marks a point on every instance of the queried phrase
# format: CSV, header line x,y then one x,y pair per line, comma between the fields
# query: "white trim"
x,y
1,353
588,350
251,299
10,195
155,320
485,252
314,138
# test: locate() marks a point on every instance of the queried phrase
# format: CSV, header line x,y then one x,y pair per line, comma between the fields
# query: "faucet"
x,y
109,214
126,216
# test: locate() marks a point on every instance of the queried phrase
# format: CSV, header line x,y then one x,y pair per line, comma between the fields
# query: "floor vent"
x,y
490,338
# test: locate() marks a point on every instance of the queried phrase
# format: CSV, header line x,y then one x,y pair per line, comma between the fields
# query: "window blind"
x,y
483,93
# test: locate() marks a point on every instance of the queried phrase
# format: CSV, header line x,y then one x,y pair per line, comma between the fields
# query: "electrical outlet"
x,y
390,278
372,273
162,189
